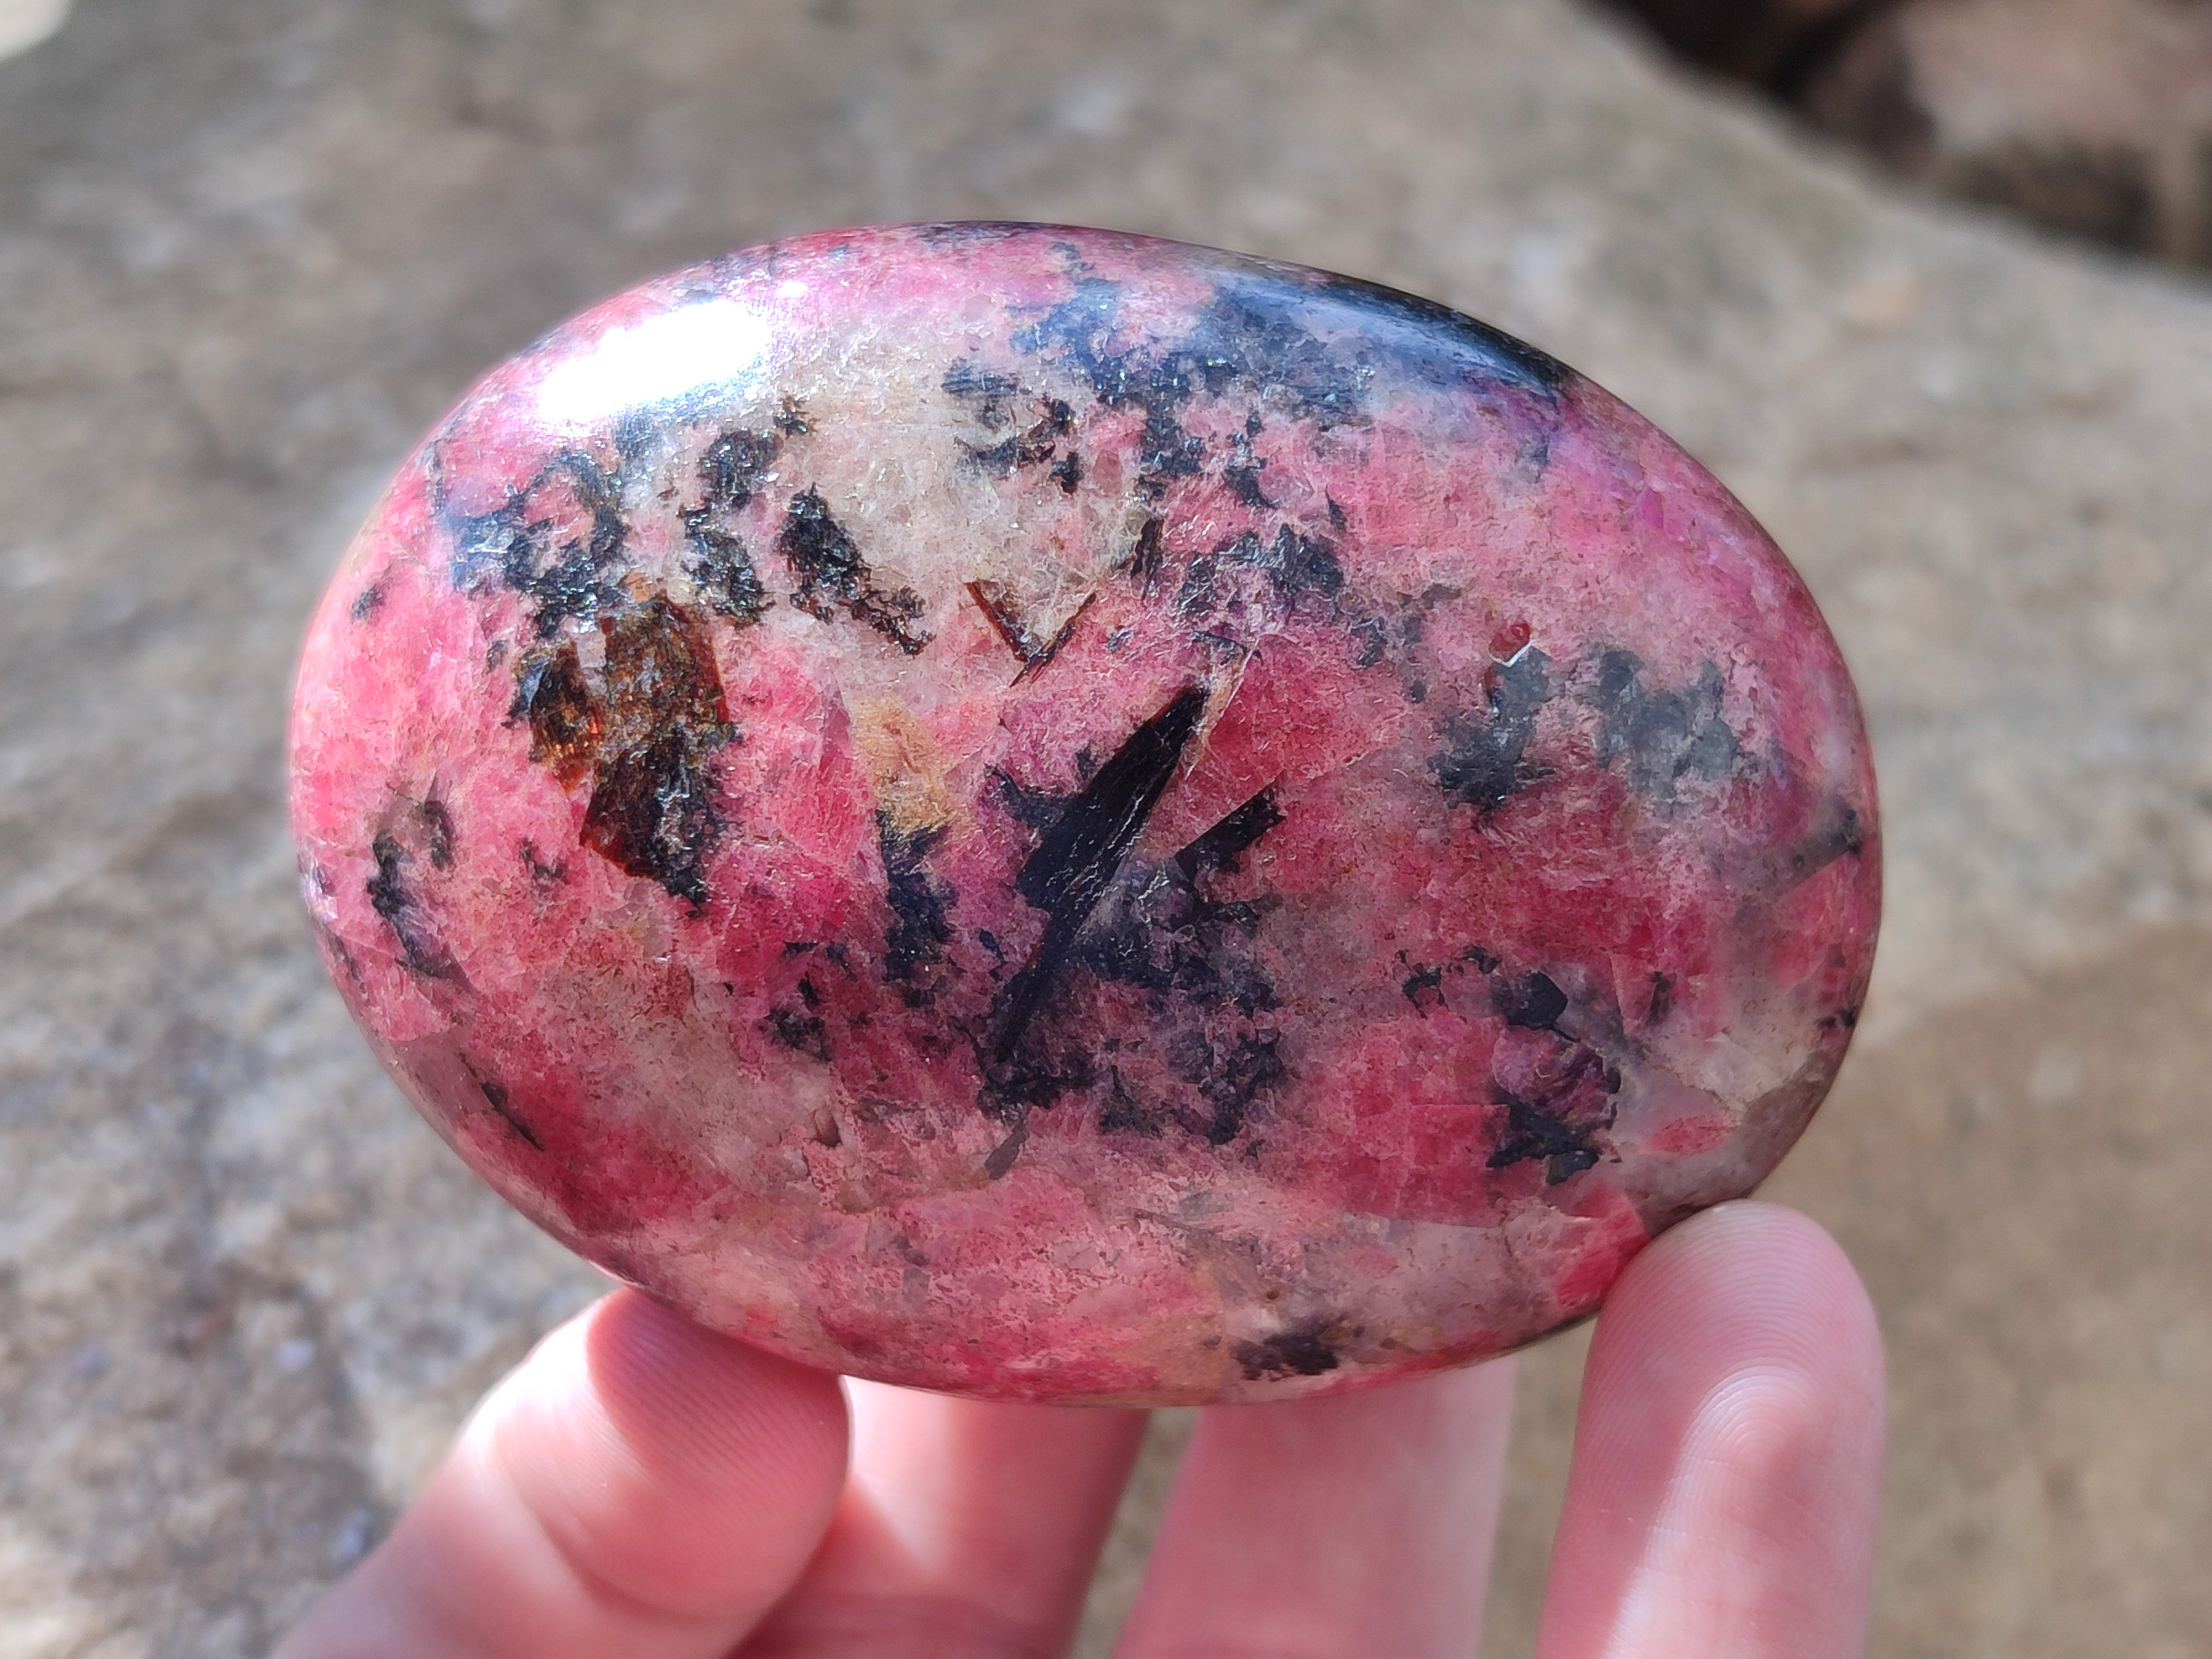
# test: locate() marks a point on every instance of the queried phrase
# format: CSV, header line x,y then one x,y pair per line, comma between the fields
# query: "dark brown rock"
x,y
2091,117
1771,43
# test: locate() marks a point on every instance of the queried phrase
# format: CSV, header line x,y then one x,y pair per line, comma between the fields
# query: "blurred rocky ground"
x,y
2092,117
249,248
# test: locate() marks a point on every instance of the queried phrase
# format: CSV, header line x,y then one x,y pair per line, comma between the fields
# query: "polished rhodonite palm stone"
x,y
1056,815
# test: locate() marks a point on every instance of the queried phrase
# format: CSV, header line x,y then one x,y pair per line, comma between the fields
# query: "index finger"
x,y
638,1486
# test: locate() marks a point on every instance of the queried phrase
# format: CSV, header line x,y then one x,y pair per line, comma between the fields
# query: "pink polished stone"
x,y
1060,816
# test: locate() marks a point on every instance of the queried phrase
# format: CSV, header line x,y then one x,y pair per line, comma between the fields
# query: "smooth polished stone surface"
x,y
1053,814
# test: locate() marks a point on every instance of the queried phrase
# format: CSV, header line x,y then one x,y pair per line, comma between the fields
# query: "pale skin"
x,y
640,1488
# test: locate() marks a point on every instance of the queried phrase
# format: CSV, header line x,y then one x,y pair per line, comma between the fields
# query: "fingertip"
x,y
700,1409
1728,1452
1745,1277
682,1470
636,1485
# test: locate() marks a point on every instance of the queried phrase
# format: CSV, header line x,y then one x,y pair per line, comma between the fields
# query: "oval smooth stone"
x,y
1059,816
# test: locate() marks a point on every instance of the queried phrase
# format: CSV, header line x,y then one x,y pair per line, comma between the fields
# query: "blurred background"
x,y
1916,279
2091,117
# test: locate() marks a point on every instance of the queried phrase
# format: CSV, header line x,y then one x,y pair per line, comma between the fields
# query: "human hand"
x,y
641,1488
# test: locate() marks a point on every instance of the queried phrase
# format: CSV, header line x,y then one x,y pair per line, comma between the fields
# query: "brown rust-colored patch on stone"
x,y
566,720
652,811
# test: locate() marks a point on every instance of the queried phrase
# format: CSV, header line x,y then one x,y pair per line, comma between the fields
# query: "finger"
x,y
638,1486
1350,1526
966,1528
1727,1455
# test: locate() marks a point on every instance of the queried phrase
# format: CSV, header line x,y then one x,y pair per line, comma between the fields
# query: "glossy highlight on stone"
x,y
1060,816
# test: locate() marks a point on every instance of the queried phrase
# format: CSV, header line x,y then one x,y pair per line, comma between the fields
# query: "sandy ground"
x,y
248,249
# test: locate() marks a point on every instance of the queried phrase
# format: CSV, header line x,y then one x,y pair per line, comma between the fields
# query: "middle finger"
x,y
1332,1529
966,1529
